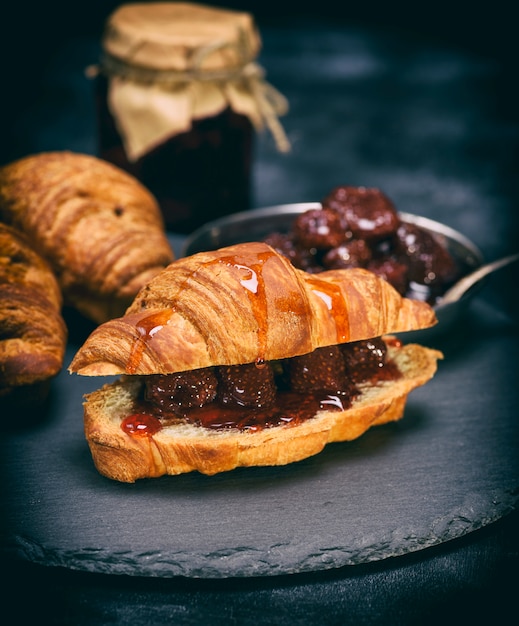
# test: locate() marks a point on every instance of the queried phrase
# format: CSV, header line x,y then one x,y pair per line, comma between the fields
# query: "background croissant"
x,y
32,331
100,230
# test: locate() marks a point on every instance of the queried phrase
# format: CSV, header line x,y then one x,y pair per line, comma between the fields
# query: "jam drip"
x,y
256,396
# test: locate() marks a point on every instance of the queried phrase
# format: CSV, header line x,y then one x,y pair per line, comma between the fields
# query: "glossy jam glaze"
x,y
289,409
251,279
332,296
147,326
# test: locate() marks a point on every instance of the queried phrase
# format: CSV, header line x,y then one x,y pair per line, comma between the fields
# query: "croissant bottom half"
x,y
184,447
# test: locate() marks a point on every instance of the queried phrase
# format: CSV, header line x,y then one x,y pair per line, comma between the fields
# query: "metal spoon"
x,y
464,284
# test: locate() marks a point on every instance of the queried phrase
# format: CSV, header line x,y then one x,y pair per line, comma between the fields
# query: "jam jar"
x,y
180,98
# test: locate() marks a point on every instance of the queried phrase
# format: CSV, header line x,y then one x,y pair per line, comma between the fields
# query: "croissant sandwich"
x,y
32,331
100,230
236,358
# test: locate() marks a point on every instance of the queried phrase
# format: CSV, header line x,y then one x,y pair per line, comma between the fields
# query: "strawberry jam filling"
x,y
257,396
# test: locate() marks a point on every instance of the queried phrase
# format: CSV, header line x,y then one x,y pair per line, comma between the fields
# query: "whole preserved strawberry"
x,y
300,256
367,212
177,393
428,261
249,385
320,228
364,359
321,370
354,253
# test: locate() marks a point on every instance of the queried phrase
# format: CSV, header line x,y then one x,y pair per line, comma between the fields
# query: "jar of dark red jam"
x,y
179,99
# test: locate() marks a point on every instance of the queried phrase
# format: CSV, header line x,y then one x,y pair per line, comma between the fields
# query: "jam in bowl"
x,y
420,257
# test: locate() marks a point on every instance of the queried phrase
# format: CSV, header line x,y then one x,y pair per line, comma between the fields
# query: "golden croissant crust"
x,y
32,331
243,304
97,226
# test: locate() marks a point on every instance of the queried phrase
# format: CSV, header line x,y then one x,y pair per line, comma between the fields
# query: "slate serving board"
x,y
449,467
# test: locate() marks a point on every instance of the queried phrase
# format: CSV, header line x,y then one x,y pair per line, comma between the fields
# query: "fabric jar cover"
x,y
170,63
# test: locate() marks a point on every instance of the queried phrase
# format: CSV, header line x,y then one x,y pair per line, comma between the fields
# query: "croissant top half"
x,y
243,304
98,227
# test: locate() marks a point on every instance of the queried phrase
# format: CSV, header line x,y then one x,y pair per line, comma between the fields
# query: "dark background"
x,y
33,31
472,580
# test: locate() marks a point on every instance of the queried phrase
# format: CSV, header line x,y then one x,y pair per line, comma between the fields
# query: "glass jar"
x,y
179,99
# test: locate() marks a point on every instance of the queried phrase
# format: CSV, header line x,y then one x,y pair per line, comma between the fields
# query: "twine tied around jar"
x,y
243,87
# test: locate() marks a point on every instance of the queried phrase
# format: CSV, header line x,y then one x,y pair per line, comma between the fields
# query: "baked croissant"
x,y
32,332
244,304
235,358
98,227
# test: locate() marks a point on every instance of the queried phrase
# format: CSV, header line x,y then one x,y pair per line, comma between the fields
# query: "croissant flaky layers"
x,y
32,332
243,304
100,230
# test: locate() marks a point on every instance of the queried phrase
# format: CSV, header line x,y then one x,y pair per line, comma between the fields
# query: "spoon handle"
x,y
455,292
